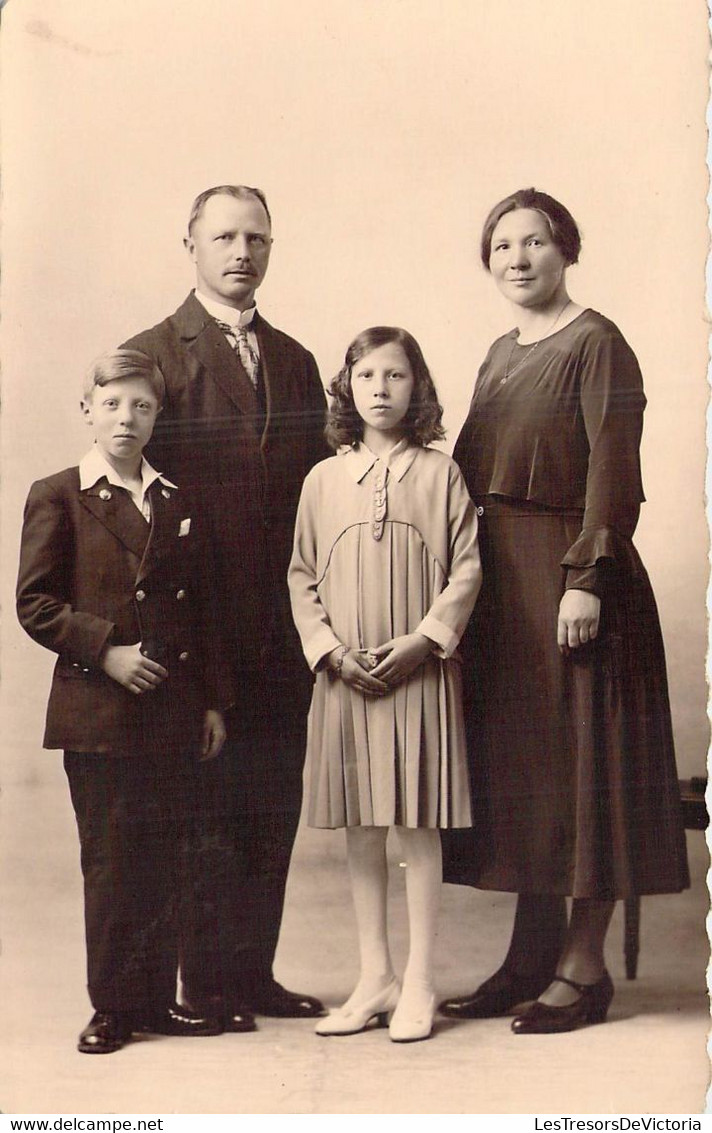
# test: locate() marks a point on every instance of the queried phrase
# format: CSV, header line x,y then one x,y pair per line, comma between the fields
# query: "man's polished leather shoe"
x,y
498,995
274,1000
105,1032
179,1022
239,1021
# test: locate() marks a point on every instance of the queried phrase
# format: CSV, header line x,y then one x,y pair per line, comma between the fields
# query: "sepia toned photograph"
x,y
355,557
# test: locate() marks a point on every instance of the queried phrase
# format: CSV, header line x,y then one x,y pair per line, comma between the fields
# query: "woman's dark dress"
x,y
574,781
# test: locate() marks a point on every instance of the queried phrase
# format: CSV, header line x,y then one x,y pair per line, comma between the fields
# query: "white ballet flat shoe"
x,y
413,1017
354,1018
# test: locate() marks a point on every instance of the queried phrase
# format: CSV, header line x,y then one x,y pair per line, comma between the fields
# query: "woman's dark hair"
x,y
422,422
564,229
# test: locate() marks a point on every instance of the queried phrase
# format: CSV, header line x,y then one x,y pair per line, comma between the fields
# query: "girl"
x,y
383,579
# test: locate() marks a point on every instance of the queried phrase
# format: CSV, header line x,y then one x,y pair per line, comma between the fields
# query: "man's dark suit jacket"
x,y
248,461
93,572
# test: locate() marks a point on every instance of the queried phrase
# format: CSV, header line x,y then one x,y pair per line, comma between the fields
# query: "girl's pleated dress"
x,y
383,548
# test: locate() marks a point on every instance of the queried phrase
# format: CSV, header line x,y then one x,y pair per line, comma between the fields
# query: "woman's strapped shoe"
x,y
352,1019
498,995
591,1007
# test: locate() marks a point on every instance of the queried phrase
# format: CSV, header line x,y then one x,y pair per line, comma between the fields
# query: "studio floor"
x,y
650,1057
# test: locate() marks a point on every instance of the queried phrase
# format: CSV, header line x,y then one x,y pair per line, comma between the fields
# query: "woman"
x,y
574,775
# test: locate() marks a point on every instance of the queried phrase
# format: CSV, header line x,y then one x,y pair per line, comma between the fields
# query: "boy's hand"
x,y
400,657
127,665
214,734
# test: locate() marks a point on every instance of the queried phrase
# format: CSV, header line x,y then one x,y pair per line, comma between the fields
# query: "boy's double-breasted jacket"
x,y
93,572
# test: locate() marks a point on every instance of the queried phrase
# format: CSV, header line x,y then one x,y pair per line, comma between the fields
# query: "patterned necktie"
x,y
237,337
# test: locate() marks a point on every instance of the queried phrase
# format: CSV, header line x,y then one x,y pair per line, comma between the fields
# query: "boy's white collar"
x,y
94,466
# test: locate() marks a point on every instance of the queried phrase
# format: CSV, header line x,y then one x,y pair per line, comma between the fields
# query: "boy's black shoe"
x,y
178,1021
105,1032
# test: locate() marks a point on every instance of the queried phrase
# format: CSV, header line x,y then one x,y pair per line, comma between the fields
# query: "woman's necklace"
x,y
507,372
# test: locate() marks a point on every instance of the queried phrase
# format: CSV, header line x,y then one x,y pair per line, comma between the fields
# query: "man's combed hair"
x,y
422,423
116,365
239,192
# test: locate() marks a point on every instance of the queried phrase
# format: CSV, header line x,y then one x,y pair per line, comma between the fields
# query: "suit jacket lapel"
x,y
207,344
164,528
116,510
270,370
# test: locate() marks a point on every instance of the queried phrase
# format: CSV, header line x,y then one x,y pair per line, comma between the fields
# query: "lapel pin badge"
x,y
104,494
165,493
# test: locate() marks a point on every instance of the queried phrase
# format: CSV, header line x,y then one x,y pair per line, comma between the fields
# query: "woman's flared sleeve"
x,y
317,637
611,404
449,614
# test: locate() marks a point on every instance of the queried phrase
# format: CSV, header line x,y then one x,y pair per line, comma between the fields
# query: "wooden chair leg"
x,y
631,945
695,817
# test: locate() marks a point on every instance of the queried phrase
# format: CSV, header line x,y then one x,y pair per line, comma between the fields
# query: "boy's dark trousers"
x,y
133,813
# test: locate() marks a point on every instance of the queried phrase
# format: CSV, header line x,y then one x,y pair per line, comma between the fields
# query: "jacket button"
x,y
180,595
183,656
480,510
140,595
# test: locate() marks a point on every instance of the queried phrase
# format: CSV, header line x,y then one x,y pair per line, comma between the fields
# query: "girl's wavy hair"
x,y
422,422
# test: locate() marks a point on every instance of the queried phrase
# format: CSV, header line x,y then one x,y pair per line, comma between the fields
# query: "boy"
x,y
115,577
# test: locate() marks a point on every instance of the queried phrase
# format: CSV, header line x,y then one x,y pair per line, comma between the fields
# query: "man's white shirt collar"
x,y
224,314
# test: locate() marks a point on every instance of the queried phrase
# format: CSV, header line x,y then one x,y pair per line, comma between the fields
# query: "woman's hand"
x,y
214,734
579,614
401,656
355,671
127,665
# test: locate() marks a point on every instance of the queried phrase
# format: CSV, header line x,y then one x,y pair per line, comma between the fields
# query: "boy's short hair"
x,y
115,365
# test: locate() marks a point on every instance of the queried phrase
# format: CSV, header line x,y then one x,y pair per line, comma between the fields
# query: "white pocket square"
x,y
184,528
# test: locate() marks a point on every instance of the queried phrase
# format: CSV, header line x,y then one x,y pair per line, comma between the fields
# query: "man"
x,y
242,422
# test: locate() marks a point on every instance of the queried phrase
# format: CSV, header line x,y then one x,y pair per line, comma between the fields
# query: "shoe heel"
x,y
598,1011
352,1021
598,1014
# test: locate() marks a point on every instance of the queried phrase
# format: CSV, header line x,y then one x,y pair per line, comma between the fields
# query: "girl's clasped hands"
x,y
376,671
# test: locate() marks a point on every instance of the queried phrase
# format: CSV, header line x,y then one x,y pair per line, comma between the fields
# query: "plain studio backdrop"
x,y
381,131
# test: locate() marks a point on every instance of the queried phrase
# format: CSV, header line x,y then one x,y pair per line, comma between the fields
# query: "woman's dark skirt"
x,y
575,789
